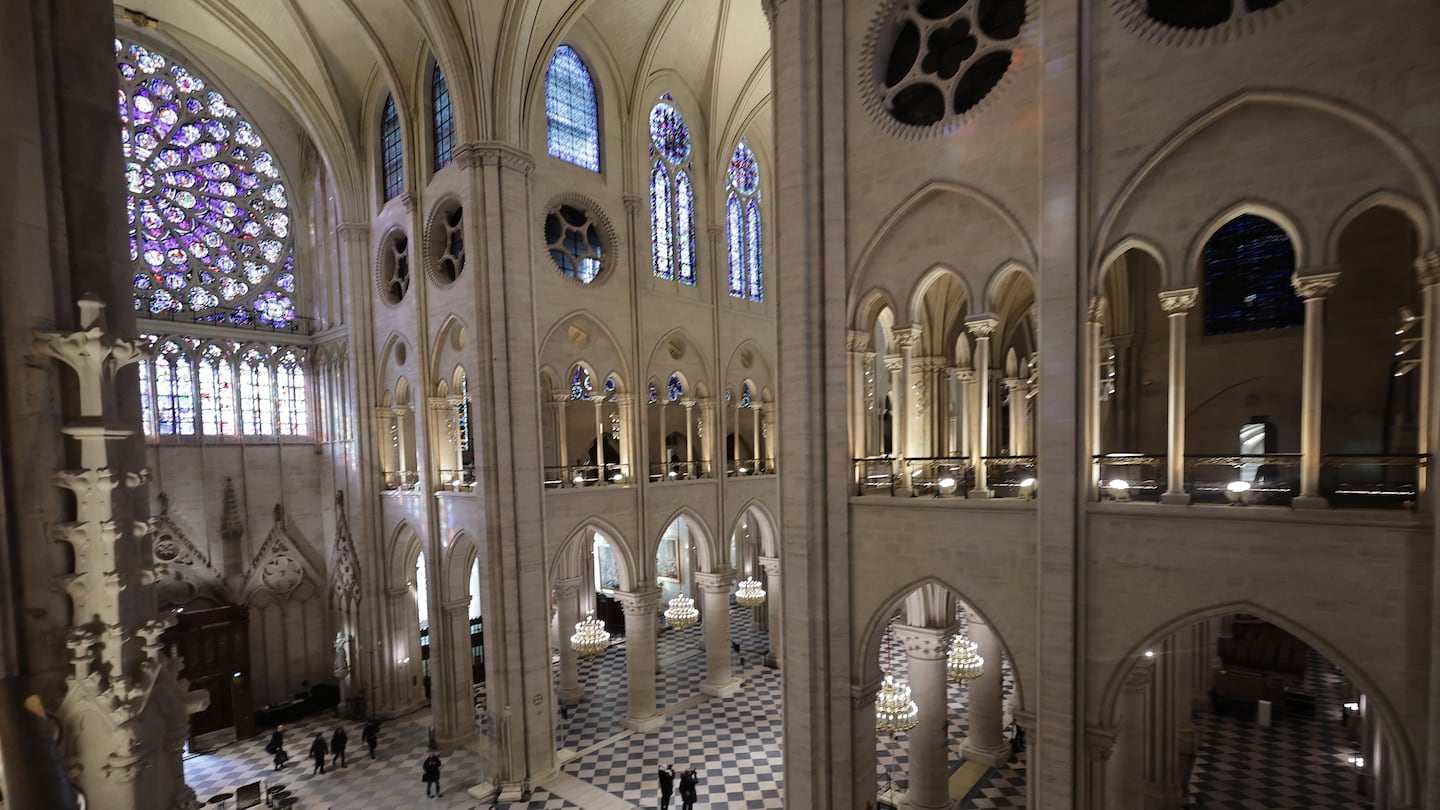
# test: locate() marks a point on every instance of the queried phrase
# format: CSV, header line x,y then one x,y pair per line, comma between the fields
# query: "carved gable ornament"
x,y
279,571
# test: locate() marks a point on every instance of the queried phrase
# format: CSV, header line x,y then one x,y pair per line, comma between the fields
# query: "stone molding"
x,y
567,587
857,340
982,325
494,153
715,581
1178,301
640,603
1427,268
926,643
1096,311
1314,285
1100,743
906,336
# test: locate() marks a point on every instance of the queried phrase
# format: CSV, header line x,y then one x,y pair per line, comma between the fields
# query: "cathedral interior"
x,y
929,404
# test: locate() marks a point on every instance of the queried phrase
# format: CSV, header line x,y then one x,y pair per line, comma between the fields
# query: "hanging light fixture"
x,y
682,613
749,594
895,712
965,662
591,638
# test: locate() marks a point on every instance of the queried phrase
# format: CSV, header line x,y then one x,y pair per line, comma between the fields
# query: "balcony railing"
x,y
945,476
1347,481
749,466
668,471
1010,476
402,480
1130,477
458,480
586,475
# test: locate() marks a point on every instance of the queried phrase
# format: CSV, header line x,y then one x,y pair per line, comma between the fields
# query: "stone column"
x,y
953,409
1176,303
704,432
1094,328
715,591
771,566
906,339
1125,776
1099,745
640,612
1427,277
856,344
1015,387
567,609
625,403
562,437
982,327
600,438
1313,287
755,430
664,459
402,444
453,701
969,396
1162,790
986,742
926,651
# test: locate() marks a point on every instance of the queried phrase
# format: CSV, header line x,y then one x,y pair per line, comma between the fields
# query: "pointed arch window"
x,y
290,395
217,393
174,391
443,119
147,405
672,194
464,417
257,415
676,388
1248,264
742,225
581,384
392,152
572,117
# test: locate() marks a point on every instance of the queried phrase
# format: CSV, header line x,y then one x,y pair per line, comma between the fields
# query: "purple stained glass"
x,y
735,240
200,184
742,221
669,136
675,389
753,252
684,228
662,236
572,121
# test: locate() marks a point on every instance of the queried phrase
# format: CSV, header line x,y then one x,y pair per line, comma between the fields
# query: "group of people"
x,y
319,748
688,780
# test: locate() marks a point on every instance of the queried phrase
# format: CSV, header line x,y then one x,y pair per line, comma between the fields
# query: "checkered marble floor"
x,y
392,779
1296,764
998,788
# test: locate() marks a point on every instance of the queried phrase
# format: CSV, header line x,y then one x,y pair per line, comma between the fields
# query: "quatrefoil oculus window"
x,y
395,268
935,60
573,237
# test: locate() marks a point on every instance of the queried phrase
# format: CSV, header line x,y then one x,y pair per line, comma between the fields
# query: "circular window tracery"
x,y
447,244
210,228
1190,22
575,240
936,60
395,268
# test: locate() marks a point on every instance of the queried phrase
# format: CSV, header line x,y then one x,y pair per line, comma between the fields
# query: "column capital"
x,y
927,643
1014,383
495,153
1427,268
894,363
715,581
455,605
1096,311
567,587
687,403
863,694
633,203
1179,300
771,565
467,155
982,325
639,603
559,399
624,399
353,231
857,340
906,336
965,375
1100,743
1314,285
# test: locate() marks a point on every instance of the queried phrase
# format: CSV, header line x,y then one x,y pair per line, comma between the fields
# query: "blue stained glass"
x,y
610,384
443,129
290,382
572,120
669,136
745,396
392,157
580,383
753,251
654,397
662,237
464,418
198,187
684,228
735,235
147,406
675,389
1248,265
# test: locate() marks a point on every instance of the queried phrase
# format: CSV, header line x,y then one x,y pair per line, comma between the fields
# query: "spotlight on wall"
x,y
1352,706
945,487
1027,488
1118,489
1238,492
1149,653
617,478
1356,761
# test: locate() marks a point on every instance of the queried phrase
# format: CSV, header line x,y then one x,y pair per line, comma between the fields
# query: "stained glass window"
x,y
217,393
676,389
654,397
174,391
392,156
1248,264
464,418
147,405
257,406
580,383
443,125
210,227
672,195
572,119
290,390
745,396
742,224
610,386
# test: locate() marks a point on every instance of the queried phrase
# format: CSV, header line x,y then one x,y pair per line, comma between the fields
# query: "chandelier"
x,y
895,712
749,594
682,613
965,663
590,637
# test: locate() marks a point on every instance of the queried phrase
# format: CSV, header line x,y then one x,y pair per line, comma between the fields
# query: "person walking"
x,y
318,750
667,786
371,736
431,767
276,747
687,789
338,741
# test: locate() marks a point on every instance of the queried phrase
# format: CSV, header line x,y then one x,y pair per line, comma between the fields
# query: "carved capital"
x,y
633,203
1427,268
1096,312
907,336
857,341
640,604
467,155
567,587
1179,301
927,643
506,157
624,400
353,232
894,363
982,325
1314,285
771,566
715,581
965,375
1100,743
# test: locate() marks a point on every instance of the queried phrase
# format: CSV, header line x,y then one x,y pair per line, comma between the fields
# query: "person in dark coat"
x,y
431,767
687,788
371,736
667,786
276,747
338,741
318,750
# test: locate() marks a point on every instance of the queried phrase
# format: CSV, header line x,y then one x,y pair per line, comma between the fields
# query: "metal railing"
x,y
1263,479
228,317
1347,480
586,475
458,480
749,466
1130,477
1010,476
663,472
402,480
1360,481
